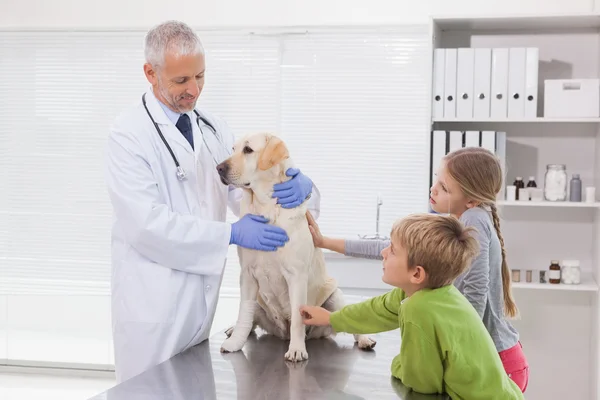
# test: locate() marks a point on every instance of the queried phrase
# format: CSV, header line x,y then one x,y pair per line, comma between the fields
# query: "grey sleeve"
x,y
370,249
475,283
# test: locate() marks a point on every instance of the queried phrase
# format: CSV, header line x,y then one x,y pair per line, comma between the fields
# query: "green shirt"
x,y
445,347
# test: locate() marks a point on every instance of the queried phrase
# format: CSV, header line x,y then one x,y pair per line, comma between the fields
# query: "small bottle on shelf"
x,y
554,273
520,185
516,275
575,188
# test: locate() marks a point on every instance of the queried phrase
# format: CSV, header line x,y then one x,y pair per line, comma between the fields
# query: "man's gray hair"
x,y
170,36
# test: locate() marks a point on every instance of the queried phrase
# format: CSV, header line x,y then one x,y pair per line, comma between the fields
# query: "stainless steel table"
x,y
336,369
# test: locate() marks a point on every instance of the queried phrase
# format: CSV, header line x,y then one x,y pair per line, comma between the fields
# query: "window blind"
x,y
350,103
60,91
354,114
242,87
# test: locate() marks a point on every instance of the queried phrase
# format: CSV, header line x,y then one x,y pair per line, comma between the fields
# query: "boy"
x,y
445,346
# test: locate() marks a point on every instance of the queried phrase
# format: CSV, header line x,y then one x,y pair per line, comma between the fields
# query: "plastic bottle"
x,y
575,188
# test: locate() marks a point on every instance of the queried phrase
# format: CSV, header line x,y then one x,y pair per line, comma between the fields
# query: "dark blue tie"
x,y
185,127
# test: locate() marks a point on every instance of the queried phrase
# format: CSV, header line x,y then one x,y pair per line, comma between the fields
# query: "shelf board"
x,y
565,204
520,120
588,284
488,23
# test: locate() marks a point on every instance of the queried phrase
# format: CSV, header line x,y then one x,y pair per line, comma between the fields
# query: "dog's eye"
x,y
247,150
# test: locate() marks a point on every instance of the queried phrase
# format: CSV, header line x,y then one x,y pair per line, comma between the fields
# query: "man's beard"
x,y
172,101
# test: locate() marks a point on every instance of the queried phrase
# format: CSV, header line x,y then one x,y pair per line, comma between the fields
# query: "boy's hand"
x,y
314,315
314,230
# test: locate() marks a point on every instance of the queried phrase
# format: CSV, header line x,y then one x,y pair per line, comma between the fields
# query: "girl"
x,y
467,184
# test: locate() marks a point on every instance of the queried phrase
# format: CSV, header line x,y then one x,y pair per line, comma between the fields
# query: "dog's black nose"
x,y
223,169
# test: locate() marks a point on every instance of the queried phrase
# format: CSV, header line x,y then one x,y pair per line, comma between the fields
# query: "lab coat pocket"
x,y
143,293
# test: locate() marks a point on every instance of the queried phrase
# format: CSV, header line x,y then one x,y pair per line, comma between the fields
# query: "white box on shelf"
x,y
572,98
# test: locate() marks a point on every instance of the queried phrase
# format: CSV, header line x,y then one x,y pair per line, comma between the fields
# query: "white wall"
x,y
207,13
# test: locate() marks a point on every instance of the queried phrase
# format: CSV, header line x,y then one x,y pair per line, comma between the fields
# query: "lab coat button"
x,y
207,288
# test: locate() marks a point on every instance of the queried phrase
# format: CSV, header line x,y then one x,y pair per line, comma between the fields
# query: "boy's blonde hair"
x,y
479,174
440,244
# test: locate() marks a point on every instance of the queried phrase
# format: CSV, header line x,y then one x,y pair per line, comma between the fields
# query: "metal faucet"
x,y
377,236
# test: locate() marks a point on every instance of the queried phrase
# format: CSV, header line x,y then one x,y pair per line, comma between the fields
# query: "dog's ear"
x,y
272,154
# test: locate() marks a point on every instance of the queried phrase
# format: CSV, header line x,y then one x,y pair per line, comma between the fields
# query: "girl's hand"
x,y
314,315
318,238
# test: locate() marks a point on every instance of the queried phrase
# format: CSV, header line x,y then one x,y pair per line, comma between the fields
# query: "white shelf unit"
x,y
559,324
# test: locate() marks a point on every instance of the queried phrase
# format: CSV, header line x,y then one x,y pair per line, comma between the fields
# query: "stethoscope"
x,y
181,174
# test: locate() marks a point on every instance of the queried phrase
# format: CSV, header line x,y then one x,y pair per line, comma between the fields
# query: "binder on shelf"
x,y
472,139
488,140
438,151
482,83
450,61
500,141
531,82
516,82
443,142
456,141
464,83
499,87
439,68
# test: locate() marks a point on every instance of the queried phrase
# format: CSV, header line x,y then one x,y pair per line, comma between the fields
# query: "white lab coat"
x,y
169,238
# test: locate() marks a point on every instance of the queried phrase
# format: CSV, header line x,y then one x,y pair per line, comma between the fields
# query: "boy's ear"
x,y
418,275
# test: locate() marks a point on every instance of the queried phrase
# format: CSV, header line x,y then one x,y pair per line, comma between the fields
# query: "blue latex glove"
x,y
292,193
253,232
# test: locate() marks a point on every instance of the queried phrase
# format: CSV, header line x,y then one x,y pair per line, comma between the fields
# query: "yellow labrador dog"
x,y
273,285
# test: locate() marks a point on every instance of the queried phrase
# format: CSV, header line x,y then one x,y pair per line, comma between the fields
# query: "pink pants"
x,y
515,365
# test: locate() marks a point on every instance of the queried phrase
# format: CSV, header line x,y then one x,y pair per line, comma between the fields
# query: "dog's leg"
x,y
298,287
245,321
336,302
229,330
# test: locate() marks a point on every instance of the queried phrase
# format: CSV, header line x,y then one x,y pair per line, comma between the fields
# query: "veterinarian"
x,y
169,237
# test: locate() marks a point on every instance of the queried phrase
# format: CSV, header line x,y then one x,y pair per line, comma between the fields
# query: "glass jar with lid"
x,y
555,182
571,272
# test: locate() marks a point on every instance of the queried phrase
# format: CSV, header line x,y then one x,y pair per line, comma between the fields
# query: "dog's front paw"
x,y
296,353
365,342
229,331
231,345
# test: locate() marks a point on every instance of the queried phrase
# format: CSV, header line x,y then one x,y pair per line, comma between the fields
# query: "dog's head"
x,y
257,158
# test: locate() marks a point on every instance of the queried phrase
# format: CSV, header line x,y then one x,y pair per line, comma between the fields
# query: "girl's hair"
x,y
479,174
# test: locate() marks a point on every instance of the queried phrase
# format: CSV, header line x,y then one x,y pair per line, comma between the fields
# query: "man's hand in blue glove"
x,y
292,193
253,232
